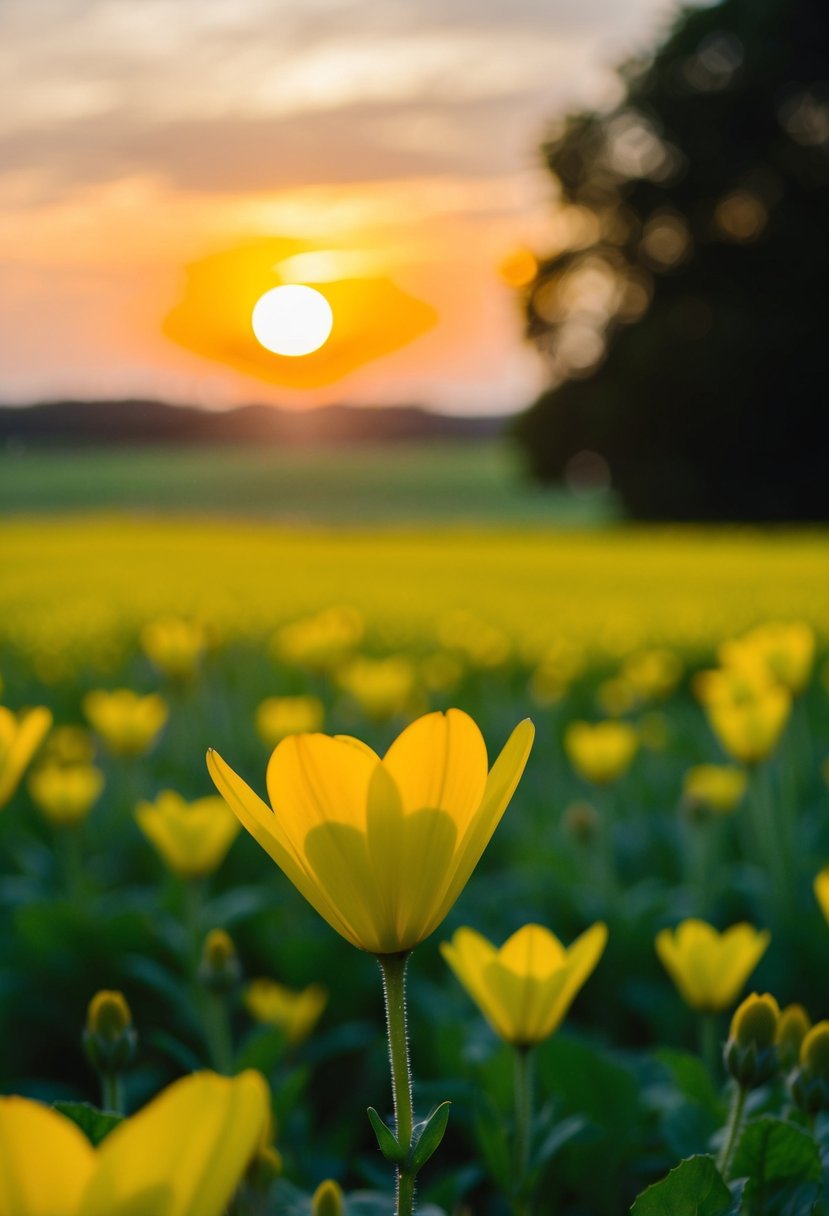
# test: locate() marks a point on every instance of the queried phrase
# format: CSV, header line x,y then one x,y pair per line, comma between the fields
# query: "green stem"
x,y
393,968
709,1044
112,1092
71,862
775,842
523,1061
216,1025
733,1129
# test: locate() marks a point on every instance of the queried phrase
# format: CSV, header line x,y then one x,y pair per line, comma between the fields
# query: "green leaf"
x,y
781,1164
428,1135
386,1139
95,1124
692,1079
694,1188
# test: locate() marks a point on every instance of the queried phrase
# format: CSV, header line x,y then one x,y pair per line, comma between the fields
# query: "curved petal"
x,y
533,950
258,819
500,786
190,1145
440,761
45,1160
30,730
315,779
469,955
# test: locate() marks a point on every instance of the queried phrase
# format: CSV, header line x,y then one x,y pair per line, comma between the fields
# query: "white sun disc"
x,y
292,320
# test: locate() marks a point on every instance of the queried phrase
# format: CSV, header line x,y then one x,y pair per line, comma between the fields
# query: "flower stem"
x,y
393,968
216,1025
733,1129
112,1092
709,1046
523,1076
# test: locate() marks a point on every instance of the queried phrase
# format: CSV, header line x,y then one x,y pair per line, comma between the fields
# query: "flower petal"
x,y
45,1160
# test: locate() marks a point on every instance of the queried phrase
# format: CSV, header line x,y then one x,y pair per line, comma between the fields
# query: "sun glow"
x,y
292,320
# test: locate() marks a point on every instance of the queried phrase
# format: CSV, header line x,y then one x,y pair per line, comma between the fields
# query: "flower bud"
x,y
109,1038
810,1081
751,1052
219,968
328,1199
792,1029
581,822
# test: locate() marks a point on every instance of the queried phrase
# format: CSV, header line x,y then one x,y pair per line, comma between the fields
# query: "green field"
x,y
422,483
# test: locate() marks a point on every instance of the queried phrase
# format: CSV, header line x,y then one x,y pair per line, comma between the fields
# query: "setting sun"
x,y
292,320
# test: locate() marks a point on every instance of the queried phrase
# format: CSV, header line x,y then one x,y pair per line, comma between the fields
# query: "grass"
x,y
407,483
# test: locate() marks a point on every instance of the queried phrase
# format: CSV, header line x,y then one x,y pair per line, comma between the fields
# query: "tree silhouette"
x,y
684,310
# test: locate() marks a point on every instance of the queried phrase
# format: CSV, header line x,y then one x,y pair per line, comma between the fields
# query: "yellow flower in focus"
x,y
319,642
183,1154
65,793
601,753
525,989
381,848
654,674
20,737
174,645
192,838
785,650
710,968
278,717
716,787
294,1013
383,688
821,890
750,729
128,723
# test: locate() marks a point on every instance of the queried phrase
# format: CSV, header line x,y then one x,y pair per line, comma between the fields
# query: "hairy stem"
x,y
393,968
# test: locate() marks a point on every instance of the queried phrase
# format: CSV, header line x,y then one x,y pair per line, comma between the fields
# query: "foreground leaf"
x,y
694,1188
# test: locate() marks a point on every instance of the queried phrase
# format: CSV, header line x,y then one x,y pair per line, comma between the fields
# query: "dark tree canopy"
x,y
684,310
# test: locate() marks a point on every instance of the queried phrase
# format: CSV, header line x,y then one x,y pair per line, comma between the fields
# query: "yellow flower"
x,y
382,688
127,722
654,674
381,848
821,889
182,1155
69,745
294,1013
750,729
601,753
792,1028
174,645
319,642
786,651
278,717
525,989
20,737
716,787
441,671
616,697
191,838
710,968
65,793
328,1199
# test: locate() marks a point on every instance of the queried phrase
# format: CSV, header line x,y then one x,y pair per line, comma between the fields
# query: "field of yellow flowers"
x,y
568,790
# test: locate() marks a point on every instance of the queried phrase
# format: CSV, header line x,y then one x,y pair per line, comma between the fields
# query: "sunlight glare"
x,y
292,320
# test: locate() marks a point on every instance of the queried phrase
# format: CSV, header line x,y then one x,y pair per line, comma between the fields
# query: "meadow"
x,y
118,861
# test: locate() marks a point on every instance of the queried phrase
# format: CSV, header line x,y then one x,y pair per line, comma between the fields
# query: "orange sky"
x,y
154,144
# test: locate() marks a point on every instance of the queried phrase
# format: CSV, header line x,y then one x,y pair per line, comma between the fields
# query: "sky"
x,y
162,162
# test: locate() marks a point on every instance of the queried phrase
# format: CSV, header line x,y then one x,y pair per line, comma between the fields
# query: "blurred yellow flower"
x,y
482,645
654,674
715,787
616,697
65,793
381,848
525,989
183,1154
785,650
383,688
441,671
328,1199
69,745
174,645
710,968
127,722
750,729
294,1013
278,717
20,737
320,642
192,838
792,1028
601,753
821,889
